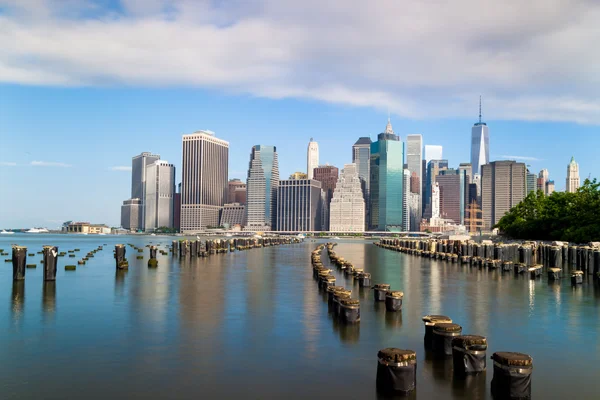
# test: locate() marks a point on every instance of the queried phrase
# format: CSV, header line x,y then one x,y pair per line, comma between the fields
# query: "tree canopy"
x,y
571,217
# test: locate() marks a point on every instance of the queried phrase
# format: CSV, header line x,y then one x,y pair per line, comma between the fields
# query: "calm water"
x,y
254,325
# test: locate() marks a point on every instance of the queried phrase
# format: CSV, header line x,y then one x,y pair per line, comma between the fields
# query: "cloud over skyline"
x,y
520,158
8,164
49,164
529,60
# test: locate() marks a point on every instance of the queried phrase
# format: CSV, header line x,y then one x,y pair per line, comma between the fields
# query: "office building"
x,y
474,218
204,187
299,205
261,188
572,177
138,183
531,182
361,156
160,190
236,191
480,144
386,181
130,214
543,177
433,152
467,171
177,209
414,163
452,189
312,158
232,215
549,187
347,207
415,184
328,176
503,186
406,201
433,169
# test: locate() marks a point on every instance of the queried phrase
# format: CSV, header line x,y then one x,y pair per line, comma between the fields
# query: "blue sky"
x,y
85,85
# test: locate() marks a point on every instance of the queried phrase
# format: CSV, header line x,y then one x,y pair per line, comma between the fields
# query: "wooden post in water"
x,y
396,371
50,262
120,260
512,375
19,259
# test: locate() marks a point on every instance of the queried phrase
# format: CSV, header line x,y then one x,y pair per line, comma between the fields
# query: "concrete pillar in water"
x,y
469,354
350,310
19,260
50,254
555,257
393,301
120,261
152,262
175,247
443,333
554,274
430,321
380,290
512,375
194,248
183,248
364,280
338,296
576,278
597,263
396,371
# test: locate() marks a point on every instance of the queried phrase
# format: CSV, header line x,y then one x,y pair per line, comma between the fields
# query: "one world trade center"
x,y
480,144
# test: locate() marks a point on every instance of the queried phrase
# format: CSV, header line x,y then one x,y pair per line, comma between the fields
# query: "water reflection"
x,y
393,319
18,299
440,366
49,297
120,275
470,386
349,333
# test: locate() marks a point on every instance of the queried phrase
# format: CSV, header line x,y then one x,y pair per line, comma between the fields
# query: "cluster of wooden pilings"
x,y
521,258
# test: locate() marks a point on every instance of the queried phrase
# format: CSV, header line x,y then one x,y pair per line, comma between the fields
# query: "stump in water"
x,y
443,333
19,259
338,296
364,279
153,251
393,301
396,371
430,321
120,251
576,278
350,310
50,262
554,274
70,267
512,375
469,354
381,290
152,263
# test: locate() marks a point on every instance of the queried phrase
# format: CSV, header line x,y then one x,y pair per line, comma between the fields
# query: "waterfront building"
x,y
312,158
433,152
433,169
328,176
232,215
347,207
261,188
87,228
130,215
236,191
451,185
414,163
361,156
503,186
480,144
299,205
138,185
386,181
572,177
298,175
531,182
204,180
160,190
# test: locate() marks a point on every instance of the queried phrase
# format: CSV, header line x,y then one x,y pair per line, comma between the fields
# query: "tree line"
x,y
562,216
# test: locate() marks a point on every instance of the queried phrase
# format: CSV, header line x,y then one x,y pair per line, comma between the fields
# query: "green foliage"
x,y
570,217
164,229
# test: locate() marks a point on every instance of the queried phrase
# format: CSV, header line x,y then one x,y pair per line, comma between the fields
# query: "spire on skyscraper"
x,y
480,109
388,127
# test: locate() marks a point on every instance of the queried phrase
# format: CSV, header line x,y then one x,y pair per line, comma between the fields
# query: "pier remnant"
x,y
350,310
393,301
576,278
554,274
50,262
19,259
469,354
512,375
396,371
380,290
120,260
443,333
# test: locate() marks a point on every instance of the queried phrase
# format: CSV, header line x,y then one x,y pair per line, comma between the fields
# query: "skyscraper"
x,y
414,161
361,156
299,205
433,152
502,187
236,191
138,182
328,176
261,188
312,158
205,171
572,176
386,181
549,187
406,201
480,144
543,177
433,169
160,190
531,182
130,214
347,207
452,188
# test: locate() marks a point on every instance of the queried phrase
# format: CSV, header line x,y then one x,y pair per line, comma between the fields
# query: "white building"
x,y
347,207
572,176
160,188
312,158
435,200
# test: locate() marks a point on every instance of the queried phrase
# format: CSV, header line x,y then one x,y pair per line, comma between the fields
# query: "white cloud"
x,y
121,168
530,60
521,158
8,164
49,164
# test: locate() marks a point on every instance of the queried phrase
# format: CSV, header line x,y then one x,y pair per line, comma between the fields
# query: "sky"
x,y
85,85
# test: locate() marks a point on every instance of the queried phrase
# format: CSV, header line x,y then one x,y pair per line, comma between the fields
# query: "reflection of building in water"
x,y
49,297
149,295
18,300
311,320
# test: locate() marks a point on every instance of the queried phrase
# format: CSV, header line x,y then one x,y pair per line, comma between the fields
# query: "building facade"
x,y
386,181
549,187
347,207
138,183
452,188
236,191
232,214
503,186
159,199
414,163
406,201
361,156
299,205
205,169
130,215
298,175
572,176
531,182
543,177
433,169
328,176
312,158
261,188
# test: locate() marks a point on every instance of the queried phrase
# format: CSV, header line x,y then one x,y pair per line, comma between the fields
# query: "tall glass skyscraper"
x,y
480,144
261,188
386,181
361,156
414,161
